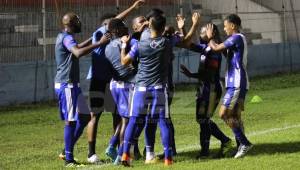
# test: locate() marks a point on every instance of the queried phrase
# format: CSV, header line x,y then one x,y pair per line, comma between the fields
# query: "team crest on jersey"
x,y
157,43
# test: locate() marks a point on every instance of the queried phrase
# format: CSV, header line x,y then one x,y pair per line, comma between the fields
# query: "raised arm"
x,y
125,13
214,46
125,58
180,24
187,39
81,51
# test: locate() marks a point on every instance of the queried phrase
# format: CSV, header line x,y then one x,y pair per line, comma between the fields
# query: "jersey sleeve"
x,y
133,53
230,42
198,47
97,35
69,42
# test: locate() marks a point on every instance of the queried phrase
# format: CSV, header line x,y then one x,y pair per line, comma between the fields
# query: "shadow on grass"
x,y
258,149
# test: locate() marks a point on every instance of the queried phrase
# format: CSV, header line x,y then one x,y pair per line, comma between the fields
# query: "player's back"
x,y
154,59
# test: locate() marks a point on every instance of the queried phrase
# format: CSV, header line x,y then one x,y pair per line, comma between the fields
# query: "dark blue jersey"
x,y
100,67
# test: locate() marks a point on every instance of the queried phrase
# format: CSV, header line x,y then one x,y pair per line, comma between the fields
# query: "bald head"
x,y
71,22
138,23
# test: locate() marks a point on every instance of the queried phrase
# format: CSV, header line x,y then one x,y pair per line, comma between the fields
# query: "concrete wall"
x,y
291,24
254,16
33,82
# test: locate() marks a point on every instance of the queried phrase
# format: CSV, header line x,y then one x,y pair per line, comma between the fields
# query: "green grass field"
x,y
31,136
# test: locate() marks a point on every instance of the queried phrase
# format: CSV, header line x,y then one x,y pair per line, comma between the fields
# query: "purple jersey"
x,y
69,42
236,75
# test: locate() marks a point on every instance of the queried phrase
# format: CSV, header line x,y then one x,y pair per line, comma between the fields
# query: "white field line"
x,y
191,147
257,133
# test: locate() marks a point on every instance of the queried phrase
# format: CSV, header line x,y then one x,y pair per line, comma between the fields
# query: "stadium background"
x,y
29,27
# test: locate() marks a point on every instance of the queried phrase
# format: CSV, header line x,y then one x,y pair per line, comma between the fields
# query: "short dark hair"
x,y
154,12
107,16
158,23
115,24
235,19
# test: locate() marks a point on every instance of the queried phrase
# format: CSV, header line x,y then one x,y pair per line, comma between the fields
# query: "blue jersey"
x,y
154,57
236,75
113,54
100,68
67,63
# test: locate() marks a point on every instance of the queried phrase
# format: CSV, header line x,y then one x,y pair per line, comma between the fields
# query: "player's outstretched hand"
x,y
105,39
125,39
180,21
138,3
196,18
184,70
209,31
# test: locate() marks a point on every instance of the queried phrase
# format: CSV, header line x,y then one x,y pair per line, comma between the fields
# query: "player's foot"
x,y
153,160
168,162
125,160
243,149
137,155
62,155
227,148
93,159
202,155
73,164
117,160
111,152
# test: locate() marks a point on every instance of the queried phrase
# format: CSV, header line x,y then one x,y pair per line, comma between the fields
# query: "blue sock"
x,y
217,133
129,134
114,141
69,140
240,136
165,136
150,131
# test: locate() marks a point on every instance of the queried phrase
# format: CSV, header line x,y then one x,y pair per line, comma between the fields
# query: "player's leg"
x,y
160,108
150,133
229,111
96,101
171,91
214,98
136,121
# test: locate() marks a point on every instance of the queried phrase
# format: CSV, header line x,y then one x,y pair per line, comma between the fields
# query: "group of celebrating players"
x,y
137,68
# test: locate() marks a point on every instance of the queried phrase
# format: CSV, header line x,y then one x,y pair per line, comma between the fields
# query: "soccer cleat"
x,y
227,148
73,164
154,160
202,155
117,160
125,160
243,149
93,159
168,162
111,152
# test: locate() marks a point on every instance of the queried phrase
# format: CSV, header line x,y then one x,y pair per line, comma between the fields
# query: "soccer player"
x,y
150,93
123,77
100,75
73,108
236,78
208,94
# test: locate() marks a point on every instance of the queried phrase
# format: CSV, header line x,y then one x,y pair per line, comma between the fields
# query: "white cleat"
x,y
93,159
243,149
